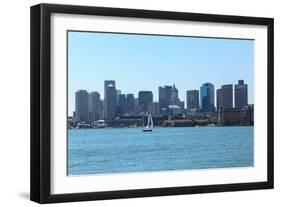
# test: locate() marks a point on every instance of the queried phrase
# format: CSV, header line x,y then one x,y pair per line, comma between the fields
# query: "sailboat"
x,y
149,125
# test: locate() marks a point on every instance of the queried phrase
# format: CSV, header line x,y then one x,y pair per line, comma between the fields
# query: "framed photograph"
x,y
132,103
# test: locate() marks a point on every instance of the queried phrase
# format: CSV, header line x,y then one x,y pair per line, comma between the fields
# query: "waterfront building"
x,y
225,96
165,94
145,97
229,116
153,108
94,106
110,99
178,123
130,103
248,114
207,97
236,116
127,121
241,94
81,106
174,110
192,100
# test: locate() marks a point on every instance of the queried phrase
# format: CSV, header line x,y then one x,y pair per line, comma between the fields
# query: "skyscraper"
x,y
181,105
130,103
118,93
145,97
94,106
153,108
225,96
174,100
241,94
192,100
122,104
101,109
108,82
165,94
110,99
137,108
207,97
82,106
219,98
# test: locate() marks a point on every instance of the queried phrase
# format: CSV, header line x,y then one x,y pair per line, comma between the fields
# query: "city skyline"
x,y
89,106
190,62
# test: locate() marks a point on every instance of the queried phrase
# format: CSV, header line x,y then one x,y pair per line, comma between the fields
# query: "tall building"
x,y
82,105
118,93
174,100
145,97
130,103
225,96
94,106
181,105
241,94
219,98
165,94
101,109
207,97
110,99
153,108
137,108
122,104
192,100
108,82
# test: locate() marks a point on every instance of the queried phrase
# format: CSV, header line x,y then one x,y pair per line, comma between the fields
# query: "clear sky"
x,y
145,62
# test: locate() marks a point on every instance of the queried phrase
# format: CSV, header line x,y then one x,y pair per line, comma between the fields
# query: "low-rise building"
x,y
126,121
174,110
236,116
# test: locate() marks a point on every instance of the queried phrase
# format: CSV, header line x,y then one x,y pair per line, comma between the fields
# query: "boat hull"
x,y
147,130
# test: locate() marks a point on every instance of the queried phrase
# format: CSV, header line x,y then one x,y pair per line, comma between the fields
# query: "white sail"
x,y
149,125
151,121
148,122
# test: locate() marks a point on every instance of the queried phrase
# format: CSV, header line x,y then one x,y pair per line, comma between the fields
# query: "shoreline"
x,y
197,126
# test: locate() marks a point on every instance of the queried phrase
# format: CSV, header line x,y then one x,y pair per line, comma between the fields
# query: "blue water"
x,y
116,150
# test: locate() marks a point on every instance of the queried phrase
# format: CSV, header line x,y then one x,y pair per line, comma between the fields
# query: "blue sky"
x,y
145,62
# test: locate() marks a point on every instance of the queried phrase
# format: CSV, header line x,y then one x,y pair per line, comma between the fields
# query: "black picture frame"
x,y
40,184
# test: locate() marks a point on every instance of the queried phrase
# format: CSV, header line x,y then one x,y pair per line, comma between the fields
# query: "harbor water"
x,y
120,150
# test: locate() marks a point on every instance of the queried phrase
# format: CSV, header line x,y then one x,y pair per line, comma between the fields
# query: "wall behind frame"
x,y
14,104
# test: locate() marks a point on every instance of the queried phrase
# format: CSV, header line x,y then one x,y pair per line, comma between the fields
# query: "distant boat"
x,y
149,125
